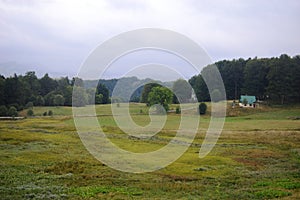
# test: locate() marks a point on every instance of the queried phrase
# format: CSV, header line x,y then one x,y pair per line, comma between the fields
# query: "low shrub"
x,y
178,111
50,113
30,112
202,108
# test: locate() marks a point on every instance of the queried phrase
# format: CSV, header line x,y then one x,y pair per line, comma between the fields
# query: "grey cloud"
x,y
57,36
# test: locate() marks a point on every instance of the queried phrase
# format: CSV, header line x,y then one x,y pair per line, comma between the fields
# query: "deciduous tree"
x,y
160,95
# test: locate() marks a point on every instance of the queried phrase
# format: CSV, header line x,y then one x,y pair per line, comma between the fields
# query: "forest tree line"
x,y
21,91
276,80
272,79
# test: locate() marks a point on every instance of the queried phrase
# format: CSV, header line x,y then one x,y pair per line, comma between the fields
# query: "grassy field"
x,y
257,157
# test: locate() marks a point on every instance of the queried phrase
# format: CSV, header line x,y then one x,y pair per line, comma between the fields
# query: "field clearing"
x,y
256,157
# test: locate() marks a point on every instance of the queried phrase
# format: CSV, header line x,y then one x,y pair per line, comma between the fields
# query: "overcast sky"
x,y
57,36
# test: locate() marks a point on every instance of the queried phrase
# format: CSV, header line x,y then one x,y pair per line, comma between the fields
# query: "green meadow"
x,y
256,157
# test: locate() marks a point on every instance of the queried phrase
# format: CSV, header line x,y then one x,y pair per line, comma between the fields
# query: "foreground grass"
x,y
256,157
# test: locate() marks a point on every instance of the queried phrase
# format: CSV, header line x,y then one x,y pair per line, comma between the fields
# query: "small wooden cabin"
x,y
247,101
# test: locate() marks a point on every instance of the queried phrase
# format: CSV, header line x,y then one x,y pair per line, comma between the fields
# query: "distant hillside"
x,y
126,86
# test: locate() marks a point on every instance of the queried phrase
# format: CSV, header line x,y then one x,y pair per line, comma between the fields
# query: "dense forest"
x,y
274,79
28,90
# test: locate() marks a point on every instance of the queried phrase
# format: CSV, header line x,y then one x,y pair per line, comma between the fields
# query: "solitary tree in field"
x,y
160,95
147,89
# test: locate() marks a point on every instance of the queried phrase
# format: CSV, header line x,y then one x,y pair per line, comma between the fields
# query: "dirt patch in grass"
x,y
249,162
66,167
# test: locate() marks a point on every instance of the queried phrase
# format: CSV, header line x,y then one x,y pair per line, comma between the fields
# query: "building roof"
x,y
250,99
